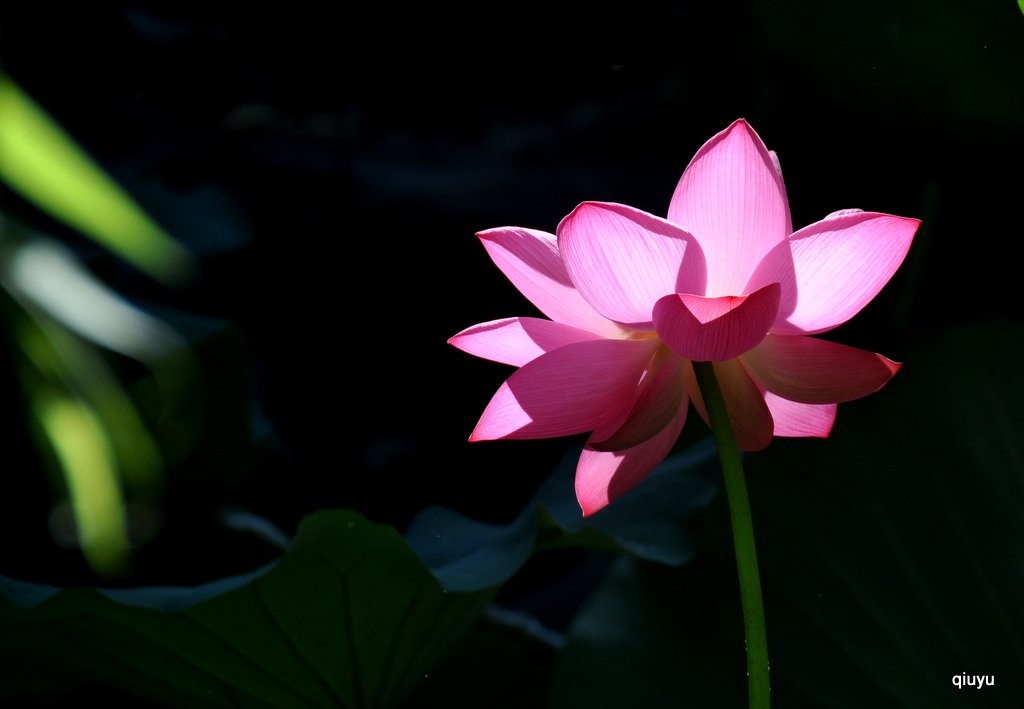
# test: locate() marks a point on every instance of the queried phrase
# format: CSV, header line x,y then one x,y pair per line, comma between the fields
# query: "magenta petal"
x,y
517,341
715,329
622,260
576,388
732,199
797,420
530,259
602,476
813,371
750,417
831,269
662,393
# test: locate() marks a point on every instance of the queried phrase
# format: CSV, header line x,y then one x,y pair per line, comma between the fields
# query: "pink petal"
x,y
715,329
749,415
622,260
662,393
813,371
602,476
530,259
831,269
732,199
797,420
517,341
576,388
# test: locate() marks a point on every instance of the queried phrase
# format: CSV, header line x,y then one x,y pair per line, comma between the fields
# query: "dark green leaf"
x,y
467,555
649,522
496,665
348,617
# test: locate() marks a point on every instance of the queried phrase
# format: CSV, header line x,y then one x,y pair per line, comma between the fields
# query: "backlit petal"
x,y
831,269
715,329
529,258
814,371
732,200
661,394
749,415
622,260
797,420
602,476
573,389
516,341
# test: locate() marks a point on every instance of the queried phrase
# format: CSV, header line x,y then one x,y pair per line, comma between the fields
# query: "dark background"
x,y
331,168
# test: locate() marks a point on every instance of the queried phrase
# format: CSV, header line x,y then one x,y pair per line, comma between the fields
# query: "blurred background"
x,y
314,180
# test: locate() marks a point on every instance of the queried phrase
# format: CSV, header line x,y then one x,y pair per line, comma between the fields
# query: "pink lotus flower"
x,y
634,298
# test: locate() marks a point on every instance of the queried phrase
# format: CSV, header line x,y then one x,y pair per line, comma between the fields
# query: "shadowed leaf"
x,y
348,617
650,522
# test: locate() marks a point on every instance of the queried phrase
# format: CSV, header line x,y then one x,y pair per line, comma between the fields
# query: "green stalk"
x,y
743,536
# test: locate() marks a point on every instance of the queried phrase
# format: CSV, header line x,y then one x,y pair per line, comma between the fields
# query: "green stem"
x,y
743,536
